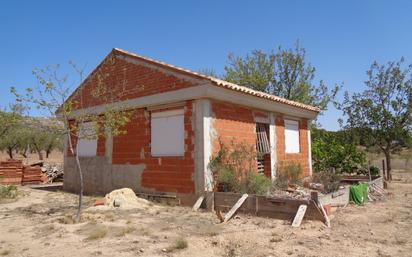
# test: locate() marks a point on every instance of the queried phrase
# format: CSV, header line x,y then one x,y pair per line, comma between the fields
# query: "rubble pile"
x,y
53,172
292,192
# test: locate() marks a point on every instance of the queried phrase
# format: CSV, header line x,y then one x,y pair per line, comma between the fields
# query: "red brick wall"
x,y
122,80
267,165
237,123
233,122
101,140
302,156
164,174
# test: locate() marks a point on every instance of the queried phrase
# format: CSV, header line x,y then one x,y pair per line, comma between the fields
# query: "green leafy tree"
x,y
383,111
14,140
53,97
328,153
10,119
10,142
284,73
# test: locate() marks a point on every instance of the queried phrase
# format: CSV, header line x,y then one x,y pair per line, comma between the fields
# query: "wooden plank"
x,y
198,203
327,221
270,207
299,216
235,207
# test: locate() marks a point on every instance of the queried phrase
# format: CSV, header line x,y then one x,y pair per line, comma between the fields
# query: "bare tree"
x,y
53,96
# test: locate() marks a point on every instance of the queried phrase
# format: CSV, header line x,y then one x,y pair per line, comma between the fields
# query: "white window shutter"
x,y
292,136
87,147
168,133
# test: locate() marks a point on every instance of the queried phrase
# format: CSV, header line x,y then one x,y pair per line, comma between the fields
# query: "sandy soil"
x,y
39,224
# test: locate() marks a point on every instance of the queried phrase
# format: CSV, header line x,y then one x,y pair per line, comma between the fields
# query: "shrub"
x,y
239,157
227,180
8,192
257,183
281,182
374,171
329,154
181,243
329,180
293,171
234,170
289,172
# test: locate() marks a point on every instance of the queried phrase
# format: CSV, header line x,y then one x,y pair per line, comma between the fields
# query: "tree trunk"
x,y
47,154
10,152
79,168
388,165
79,207
24,153
40,155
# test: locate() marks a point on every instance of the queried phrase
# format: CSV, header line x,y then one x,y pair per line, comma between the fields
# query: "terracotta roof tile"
x,y
221,83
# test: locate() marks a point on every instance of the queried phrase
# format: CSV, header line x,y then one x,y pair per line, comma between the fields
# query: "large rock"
x,y
125,198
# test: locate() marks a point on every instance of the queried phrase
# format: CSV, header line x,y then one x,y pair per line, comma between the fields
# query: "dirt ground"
x,y
54,157
39,224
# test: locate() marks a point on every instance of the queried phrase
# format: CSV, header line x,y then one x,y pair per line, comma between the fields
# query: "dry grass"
x,y
68,219
94,231
210,230
180,243
121,231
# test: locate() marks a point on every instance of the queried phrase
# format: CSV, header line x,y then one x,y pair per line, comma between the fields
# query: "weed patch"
x,y
8,192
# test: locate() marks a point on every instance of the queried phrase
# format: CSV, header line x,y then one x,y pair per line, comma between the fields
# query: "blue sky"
x,y
342,38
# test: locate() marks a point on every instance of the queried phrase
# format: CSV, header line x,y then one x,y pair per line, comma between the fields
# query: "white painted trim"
x,y
262,120
202,91
170,113
207,144
273,141
195,92
310,149
167,106
199,176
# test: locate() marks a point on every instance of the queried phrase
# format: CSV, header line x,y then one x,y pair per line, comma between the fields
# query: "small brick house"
x,y
179,118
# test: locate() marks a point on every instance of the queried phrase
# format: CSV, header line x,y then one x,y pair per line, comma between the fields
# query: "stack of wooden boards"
x,y
15,173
